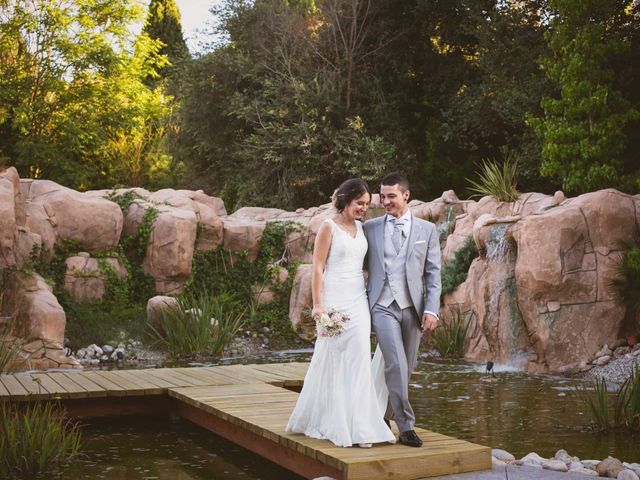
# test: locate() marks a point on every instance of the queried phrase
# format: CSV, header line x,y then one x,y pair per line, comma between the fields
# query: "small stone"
x,y
605,350
265,330
592,464
621,351
609,467
104,358
502,455
94,361
555,465
564,456
627,475
532,459
602,360
576,465
585,471
107,349
495,462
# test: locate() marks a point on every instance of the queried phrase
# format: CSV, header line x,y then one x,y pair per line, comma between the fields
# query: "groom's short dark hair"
x,y
396,178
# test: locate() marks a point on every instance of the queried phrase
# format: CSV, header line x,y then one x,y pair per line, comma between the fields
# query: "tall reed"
x,y
625,407
35,439
449,338
199,325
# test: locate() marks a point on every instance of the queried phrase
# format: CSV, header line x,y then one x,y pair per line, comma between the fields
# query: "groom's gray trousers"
x,y
394,327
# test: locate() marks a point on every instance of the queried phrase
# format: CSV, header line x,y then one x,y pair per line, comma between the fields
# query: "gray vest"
x,y
395,284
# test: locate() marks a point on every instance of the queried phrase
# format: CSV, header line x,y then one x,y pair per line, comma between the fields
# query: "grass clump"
x,y
623,412
497,180
35,439
455,272
200,324
449,338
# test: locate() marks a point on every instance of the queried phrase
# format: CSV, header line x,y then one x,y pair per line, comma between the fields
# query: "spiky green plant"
x,y
628,401
449,338
37,438
597,402
200,324
627,280
497,180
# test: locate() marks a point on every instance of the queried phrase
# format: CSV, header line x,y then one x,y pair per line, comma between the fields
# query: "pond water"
x,y
519,412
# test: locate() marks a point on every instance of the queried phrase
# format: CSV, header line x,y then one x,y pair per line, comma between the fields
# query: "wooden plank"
x,y
72,389
144,374
92,388
14,387
185,375
214,376
31,384
150,387
112,389
130,387
3,390
166,374
51,386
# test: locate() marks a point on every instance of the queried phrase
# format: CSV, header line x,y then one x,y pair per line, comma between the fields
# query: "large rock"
x,y
34,308
170,249
92,221
85,279
156,306
566,259
9,195
301,303
547,300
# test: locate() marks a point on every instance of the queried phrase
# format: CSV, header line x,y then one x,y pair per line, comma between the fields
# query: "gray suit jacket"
x,y
422,267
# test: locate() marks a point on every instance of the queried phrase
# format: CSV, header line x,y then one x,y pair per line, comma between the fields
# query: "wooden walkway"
x,y
249,405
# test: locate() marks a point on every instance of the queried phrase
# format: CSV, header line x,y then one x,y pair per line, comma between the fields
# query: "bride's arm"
x,y
320,254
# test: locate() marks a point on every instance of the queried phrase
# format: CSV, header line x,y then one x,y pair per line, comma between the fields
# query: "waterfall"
x,y
497,243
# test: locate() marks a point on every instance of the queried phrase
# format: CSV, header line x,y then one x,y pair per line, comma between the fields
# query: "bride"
x,y
338,401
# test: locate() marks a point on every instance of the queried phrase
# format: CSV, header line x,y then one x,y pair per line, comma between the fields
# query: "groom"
x,y
404,293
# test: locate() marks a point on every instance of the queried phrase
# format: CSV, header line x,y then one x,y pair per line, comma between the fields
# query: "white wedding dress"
x,y
338,401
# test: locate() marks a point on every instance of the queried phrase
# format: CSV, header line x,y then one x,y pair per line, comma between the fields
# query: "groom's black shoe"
x,y
410,438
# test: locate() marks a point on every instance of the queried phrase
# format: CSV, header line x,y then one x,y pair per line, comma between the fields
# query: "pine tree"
x,y
163,23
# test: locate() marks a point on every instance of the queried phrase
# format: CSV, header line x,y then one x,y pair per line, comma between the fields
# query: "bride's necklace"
x,y
349,227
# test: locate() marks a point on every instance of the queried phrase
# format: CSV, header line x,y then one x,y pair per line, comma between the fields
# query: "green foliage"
x,y
449,338
35,438
455,272
626,404
584,131
627,281
122,310
222,273
73,106
199,325
497,181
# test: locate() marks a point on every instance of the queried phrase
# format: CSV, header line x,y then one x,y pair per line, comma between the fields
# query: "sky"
x,y
195,15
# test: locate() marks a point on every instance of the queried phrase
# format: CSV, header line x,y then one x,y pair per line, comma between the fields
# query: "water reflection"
x,y
518,412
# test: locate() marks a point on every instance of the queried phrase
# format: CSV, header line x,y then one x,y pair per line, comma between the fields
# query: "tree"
x,y
163,24
71,91
583,131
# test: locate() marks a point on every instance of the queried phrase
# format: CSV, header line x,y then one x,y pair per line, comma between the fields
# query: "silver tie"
x,y
397,237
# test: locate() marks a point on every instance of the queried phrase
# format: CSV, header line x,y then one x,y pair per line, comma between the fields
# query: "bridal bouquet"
x,y
331,324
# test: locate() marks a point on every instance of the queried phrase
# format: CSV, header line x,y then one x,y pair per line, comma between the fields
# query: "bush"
x,y
496,180
199,325
455,272
35,439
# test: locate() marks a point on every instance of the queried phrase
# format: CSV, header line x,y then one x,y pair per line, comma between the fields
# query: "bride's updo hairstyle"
x,y
348,191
